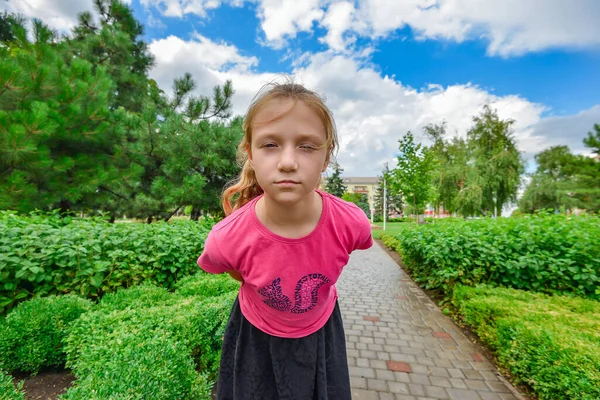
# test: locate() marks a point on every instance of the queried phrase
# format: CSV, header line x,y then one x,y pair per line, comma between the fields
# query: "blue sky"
x,y
564,79
385,66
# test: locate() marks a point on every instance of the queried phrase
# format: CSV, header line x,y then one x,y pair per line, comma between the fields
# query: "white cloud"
x,y
179,8
567,130
59,15
371,111
337,21
154,22
281,19
173,51
209,63
512,27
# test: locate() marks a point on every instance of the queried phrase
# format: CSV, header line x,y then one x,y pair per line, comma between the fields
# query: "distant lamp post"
x,y
384,202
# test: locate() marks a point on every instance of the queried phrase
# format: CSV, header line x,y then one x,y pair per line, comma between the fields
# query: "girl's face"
x,y
289,154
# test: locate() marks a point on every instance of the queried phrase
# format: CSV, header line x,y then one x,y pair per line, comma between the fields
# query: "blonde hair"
x,y
246,187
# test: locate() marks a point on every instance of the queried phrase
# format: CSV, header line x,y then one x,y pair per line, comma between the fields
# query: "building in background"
x,y
367,185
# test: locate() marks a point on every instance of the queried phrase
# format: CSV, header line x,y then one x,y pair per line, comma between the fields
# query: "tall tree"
x,y
335,184
360,199
55,142
412,176
115,43
587,178
453,173
498,163
551,185
185,152
393,200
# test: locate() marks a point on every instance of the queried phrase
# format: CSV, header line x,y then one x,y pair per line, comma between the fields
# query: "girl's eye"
x,y
269,145
307,147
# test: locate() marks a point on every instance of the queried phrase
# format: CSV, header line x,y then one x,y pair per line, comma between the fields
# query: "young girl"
x,y
287,242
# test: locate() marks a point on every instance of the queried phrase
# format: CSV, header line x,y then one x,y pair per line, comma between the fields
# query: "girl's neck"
x,y
288,220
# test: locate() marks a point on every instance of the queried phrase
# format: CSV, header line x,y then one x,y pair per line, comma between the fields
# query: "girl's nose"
x,y
287,161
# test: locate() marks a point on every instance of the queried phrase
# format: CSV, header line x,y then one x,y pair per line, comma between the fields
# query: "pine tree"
x,y
187,155
115,44
335,183
393,201
360,199
55,146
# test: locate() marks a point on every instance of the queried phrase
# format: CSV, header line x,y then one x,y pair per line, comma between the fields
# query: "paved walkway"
x,y
400,345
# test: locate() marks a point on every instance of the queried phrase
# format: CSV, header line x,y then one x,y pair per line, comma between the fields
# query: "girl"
x,y
287,242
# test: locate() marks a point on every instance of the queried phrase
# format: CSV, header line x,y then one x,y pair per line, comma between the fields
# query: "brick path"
x,y
400,345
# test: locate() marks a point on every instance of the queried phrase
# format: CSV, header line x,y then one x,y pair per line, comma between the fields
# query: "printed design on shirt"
x,y
306,294
275,297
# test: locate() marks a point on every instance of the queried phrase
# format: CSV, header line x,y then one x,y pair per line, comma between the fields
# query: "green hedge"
x,y
551,343
31,335
8,391
551,254
206,285
150,318
139,366
136,343
44,254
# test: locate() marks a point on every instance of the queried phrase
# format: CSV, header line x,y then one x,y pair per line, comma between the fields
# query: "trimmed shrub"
x,y
8,391
31,335
551,343
195,323
549,254
134,366
206,285
142,296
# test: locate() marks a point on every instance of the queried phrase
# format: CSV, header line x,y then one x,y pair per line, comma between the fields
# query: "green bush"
x,y
206,285
134,366
551,343
8,391
550,254
44,254
196,323
31,335
138,297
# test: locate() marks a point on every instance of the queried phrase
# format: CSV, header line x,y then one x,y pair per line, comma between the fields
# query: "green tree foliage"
x,y
412,176
115,44
360,199
84,128
393,201
565,181
185,159
479,175
498,163
452,173
588,174
335,183
55,145
551,184
592,141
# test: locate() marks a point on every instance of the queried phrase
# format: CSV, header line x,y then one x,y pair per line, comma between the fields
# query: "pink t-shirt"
x,y
289,284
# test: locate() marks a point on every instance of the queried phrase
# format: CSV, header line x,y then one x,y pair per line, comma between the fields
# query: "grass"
x,y
391,228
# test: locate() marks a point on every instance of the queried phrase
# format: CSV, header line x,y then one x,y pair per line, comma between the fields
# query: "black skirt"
x,y
256,365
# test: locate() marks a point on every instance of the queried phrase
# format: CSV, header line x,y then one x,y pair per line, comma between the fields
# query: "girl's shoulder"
x,y
236,218
341,207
